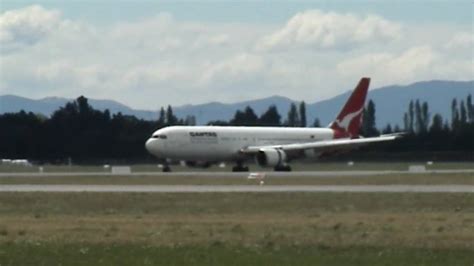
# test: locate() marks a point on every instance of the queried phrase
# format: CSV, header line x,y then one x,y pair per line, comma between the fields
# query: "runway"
x,y
354,173
241,188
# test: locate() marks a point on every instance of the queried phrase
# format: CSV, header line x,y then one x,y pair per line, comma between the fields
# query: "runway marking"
x,y
240,188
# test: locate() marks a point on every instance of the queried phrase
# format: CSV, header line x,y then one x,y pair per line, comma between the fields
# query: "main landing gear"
x,y
166,168
282,168
240,168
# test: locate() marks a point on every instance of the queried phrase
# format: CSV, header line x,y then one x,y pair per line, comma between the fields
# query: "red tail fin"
x,y
348,121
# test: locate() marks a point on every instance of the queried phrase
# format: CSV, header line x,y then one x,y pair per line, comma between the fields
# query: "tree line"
x,y
431,132
296,117
79,132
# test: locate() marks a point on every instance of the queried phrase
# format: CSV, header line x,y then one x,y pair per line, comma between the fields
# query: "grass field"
x,y
127,254
236,229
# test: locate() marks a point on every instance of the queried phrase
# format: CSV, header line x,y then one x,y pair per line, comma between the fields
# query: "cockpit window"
x,y
159,136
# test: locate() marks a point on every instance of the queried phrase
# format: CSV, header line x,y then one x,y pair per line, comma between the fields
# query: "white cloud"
x,y
390,67
461,40
316,29
26,26
161,60
242,66
414,64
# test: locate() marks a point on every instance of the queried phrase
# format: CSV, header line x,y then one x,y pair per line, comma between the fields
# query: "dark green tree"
x,y
239,119
369,128
411,116
171,119
22,135
406,123
454,115
418,118
397,129
271,117
245,118
250,116
293,119
470,109
83,106
302,108
162,117
316,122
425,114
387,129
462,114
437,124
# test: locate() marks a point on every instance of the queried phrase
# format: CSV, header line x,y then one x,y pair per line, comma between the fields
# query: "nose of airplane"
x,y
149,145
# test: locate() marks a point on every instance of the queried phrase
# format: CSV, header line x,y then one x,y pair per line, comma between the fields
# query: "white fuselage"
x,y
217,144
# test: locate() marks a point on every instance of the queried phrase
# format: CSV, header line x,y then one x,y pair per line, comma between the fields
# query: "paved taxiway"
x,y
240,188
355,173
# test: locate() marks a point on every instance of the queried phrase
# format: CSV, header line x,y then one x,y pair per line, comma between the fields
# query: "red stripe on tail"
x,y
349,120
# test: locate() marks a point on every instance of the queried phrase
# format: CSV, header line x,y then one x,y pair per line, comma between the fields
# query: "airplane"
x,y
274,147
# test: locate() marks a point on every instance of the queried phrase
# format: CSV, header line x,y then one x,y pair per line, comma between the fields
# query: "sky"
x,y
148,54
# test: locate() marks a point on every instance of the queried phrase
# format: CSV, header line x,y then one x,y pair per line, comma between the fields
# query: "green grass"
x,y
236,229
217,254
297,166
232,203
437,220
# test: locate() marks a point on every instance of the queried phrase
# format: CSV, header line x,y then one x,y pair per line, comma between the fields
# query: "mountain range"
x,y
391,102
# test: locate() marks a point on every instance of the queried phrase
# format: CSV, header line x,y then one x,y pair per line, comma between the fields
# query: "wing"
x,y
324,145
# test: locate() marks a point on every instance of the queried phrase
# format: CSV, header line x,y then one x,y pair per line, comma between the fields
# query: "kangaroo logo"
x,y
346,120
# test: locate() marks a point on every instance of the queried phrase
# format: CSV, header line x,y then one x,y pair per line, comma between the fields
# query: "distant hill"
x,y
222,111
46,106
391,102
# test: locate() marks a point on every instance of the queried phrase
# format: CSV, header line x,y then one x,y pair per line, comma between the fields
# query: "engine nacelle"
x,y
270,157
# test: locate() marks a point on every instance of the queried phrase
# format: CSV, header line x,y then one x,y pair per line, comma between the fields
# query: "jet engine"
x,y
270,157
